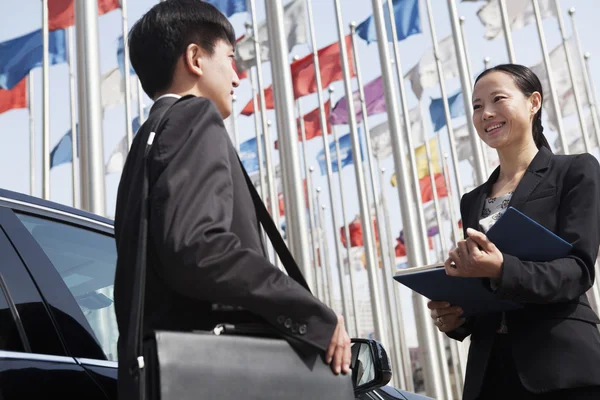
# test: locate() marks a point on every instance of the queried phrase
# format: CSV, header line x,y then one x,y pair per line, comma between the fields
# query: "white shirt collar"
x,y
176,96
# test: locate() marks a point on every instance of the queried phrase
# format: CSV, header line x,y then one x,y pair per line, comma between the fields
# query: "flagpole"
x,y
315,229
45,104
467,91
486,62
140,93
236,135
72,99
389,293
126,74
91,157
582,124
323,120
557,110
507,32
325,270
368,239
31,107
449,127
288,138
486,162
346,223
416,251
406,363
588,88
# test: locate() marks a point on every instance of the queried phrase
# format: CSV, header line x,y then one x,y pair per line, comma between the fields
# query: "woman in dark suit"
x,y
549,349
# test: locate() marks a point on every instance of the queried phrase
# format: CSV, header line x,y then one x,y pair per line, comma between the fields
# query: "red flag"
x,y
356,233
303,73
312,124
15,97
426,191
61,13
269,101
400,248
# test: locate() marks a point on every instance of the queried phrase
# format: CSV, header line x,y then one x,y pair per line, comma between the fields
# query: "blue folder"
x,y
515,234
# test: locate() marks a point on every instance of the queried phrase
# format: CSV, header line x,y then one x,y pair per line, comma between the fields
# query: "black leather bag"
x,y
216,365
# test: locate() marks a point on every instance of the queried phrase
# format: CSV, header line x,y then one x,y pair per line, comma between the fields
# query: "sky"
x,y
24,16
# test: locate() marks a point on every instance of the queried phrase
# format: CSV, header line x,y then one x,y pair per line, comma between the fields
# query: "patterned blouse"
x,y
493,209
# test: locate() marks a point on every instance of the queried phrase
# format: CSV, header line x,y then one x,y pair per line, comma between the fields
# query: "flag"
x,y
229,7
424,74
112,89
374,99
345,145
520,13
436,109
20,55
303,73
431,215
381,140
294,21
121,58
249,155
574,137
61,13
312,124
421,159
427,191
61,153
406,15
14,98
269,102
561,80
356,232
464,149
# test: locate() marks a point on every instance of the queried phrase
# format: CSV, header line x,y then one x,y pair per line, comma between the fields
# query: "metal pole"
x,y
507,32
31,105
236,134
90,108
582,124
288,138
365,214
586,78
323,120
467,92
397,335
315,232
416,250
406,367
127,74
45,104
140,93
557,110
324,253
72,99
486,162
449,127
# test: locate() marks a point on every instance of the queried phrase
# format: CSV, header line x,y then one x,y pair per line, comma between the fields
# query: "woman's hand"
x,y
445,317
475,257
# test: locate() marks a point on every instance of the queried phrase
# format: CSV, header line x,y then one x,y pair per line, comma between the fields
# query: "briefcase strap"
x,y
271,229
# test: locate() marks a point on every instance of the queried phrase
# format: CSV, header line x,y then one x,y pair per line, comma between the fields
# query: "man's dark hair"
x,y
161,36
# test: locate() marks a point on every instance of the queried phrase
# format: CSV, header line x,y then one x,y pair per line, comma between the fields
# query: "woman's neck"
x,y
514,161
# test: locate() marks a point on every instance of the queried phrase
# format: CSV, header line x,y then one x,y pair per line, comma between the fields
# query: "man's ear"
x,y
193,59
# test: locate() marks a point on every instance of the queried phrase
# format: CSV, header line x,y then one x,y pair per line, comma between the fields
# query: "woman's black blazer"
x,y
554,338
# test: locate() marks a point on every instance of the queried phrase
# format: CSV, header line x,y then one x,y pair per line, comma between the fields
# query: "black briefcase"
x,y
168,365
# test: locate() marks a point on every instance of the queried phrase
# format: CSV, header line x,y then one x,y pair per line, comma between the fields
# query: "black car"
x,y
58,332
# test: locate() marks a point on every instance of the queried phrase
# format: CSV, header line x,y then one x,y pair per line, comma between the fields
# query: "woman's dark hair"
x,y
161,36
528,82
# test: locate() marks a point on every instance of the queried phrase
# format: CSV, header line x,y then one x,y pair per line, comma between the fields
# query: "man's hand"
x,y
445,317
338,352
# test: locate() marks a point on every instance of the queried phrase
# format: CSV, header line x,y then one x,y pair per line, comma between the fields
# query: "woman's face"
x,y
502,115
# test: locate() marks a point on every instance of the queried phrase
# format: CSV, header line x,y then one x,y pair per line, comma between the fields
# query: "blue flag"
x,y
345,153
406,15
61,153
20,55
436,109
249,155
120,58
229,7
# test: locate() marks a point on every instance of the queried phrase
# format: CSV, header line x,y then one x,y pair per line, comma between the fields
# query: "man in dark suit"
x,y
205,252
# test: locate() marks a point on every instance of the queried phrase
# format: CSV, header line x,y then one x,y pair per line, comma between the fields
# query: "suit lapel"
x,y
532,178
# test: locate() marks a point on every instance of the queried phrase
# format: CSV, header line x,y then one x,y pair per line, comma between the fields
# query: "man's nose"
x,y
236,80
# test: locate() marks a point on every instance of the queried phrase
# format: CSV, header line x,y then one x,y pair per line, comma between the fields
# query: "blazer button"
x,y
302,329
295,328
280,319
288,323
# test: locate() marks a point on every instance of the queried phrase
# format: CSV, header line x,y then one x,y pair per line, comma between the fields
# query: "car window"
x,y
86,262
10,338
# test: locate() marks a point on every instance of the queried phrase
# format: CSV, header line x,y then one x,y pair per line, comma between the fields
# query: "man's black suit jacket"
x,y
204,243
554,339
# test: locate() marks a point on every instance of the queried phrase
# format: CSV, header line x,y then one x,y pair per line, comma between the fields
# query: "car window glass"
x,y
9,335
86,261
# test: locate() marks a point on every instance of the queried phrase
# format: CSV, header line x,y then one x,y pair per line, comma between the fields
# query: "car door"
x,y
34,362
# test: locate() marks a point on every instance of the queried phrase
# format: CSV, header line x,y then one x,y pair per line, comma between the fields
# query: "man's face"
x,y
219,77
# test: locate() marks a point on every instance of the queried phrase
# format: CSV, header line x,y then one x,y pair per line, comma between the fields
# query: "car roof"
x,y
7,196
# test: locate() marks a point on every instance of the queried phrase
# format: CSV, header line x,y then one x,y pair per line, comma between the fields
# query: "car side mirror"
x,y
370,365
